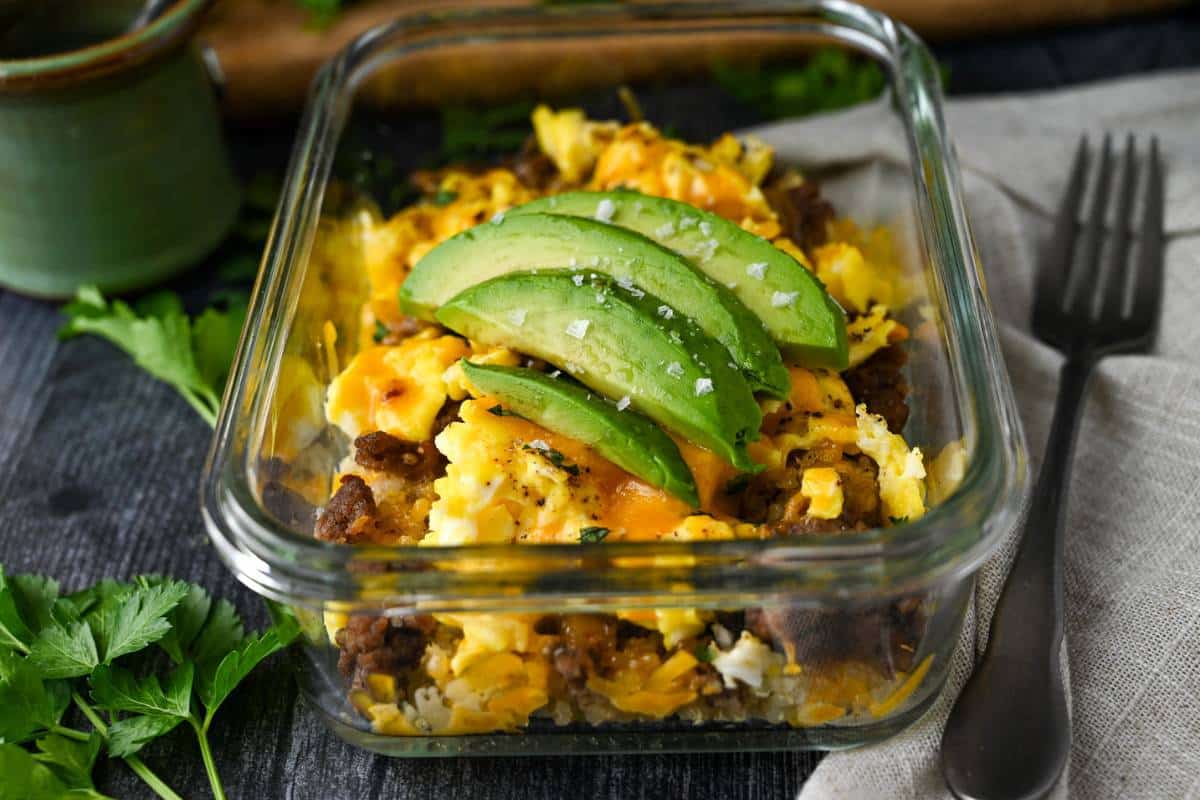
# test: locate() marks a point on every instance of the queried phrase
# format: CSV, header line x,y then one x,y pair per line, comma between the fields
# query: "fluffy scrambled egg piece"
x,y
901,470
723,178
871,332
395,389
819,408
823,488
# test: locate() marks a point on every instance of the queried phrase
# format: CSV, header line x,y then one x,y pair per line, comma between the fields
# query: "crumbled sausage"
x,y
352,502
386,645
383,452
879,383
533,167
803,213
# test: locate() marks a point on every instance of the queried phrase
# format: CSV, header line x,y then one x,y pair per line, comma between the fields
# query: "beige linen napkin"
x,y
1133,545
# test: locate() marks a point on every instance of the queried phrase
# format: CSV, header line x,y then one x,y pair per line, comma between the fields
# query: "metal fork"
x,y
1009,736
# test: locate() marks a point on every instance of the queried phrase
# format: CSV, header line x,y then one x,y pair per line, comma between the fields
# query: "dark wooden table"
x,y
99,466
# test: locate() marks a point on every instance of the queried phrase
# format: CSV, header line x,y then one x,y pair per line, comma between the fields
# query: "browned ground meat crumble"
x,y
879,382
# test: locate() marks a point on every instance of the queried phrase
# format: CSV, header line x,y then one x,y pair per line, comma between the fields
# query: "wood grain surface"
x,y
269,51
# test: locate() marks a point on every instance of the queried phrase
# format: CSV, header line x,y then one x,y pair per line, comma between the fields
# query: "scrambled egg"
x,y
395,389
872,332
901,471
823,488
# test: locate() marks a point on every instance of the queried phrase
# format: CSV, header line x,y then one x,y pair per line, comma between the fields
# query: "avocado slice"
x,y
807,324
544,241
612,339
626,438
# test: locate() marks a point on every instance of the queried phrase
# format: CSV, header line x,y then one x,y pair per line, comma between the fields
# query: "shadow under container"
x,y
868,619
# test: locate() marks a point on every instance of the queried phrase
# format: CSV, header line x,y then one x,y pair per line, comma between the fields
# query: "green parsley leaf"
x,y
124,625
85,600
592,534
118,689
187,620
222,632
472,133
30,706
216,684
897,520
23,778
501,411
161,345
704,653
128,735
215,337
380,333
830,79
34,596
65,650
14,633
70,760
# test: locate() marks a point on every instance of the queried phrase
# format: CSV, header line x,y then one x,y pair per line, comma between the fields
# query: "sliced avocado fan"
x,y
624,437
613,340
532,242
808,325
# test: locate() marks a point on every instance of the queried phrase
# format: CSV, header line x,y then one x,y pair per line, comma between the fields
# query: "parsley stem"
x,y
70,733
210,765
136,764
91,714
150,779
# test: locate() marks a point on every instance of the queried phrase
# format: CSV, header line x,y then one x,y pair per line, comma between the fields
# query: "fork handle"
x,y
1009,736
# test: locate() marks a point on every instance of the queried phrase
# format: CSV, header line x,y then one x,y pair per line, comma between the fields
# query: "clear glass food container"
x,y
868,619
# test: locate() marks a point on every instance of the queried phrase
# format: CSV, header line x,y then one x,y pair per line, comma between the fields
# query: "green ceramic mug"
x,y
112,162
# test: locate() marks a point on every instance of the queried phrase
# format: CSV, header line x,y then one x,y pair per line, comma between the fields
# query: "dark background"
x,y
99,466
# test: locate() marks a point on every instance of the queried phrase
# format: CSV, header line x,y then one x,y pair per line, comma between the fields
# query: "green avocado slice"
x,y
626,438
545,241
612,339
808,325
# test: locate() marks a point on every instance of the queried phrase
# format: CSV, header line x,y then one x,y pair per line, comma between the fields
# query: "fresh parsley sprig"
x,y
112,643
193,355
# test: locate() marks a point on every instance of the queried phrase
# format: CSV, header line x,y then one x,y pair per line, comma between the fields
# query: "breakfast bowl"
x,y
626,439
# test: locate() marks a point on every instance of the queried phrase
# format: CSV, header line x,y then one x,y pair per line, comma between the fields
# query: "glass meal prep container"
x,y
855,630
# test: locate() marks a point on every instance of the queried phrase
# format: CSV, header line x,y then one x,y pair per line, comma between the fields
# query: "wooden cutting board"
x,y
269,50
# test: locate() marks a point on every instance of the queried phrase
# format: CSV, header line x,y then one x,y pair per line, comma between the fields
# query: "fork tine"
x,y
1148,291
1114,289
1082,290
1054,269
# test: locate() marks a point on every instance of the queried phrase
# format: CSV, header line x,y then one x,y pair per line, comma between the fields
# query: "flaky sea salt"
x,y
664,231
577,279
675,369
707,249
783,299
626,283
665,312
703,386
757,270
706,227
605,210
687,222
498,217
578,328
517,316
538,444
623,403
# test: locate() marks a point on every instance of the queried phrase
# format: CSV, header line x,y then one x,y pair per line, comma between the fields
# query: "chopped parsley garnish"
x,y
444,197
501,411
554,457
592,534
704,653
897,520
830,79
380,333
